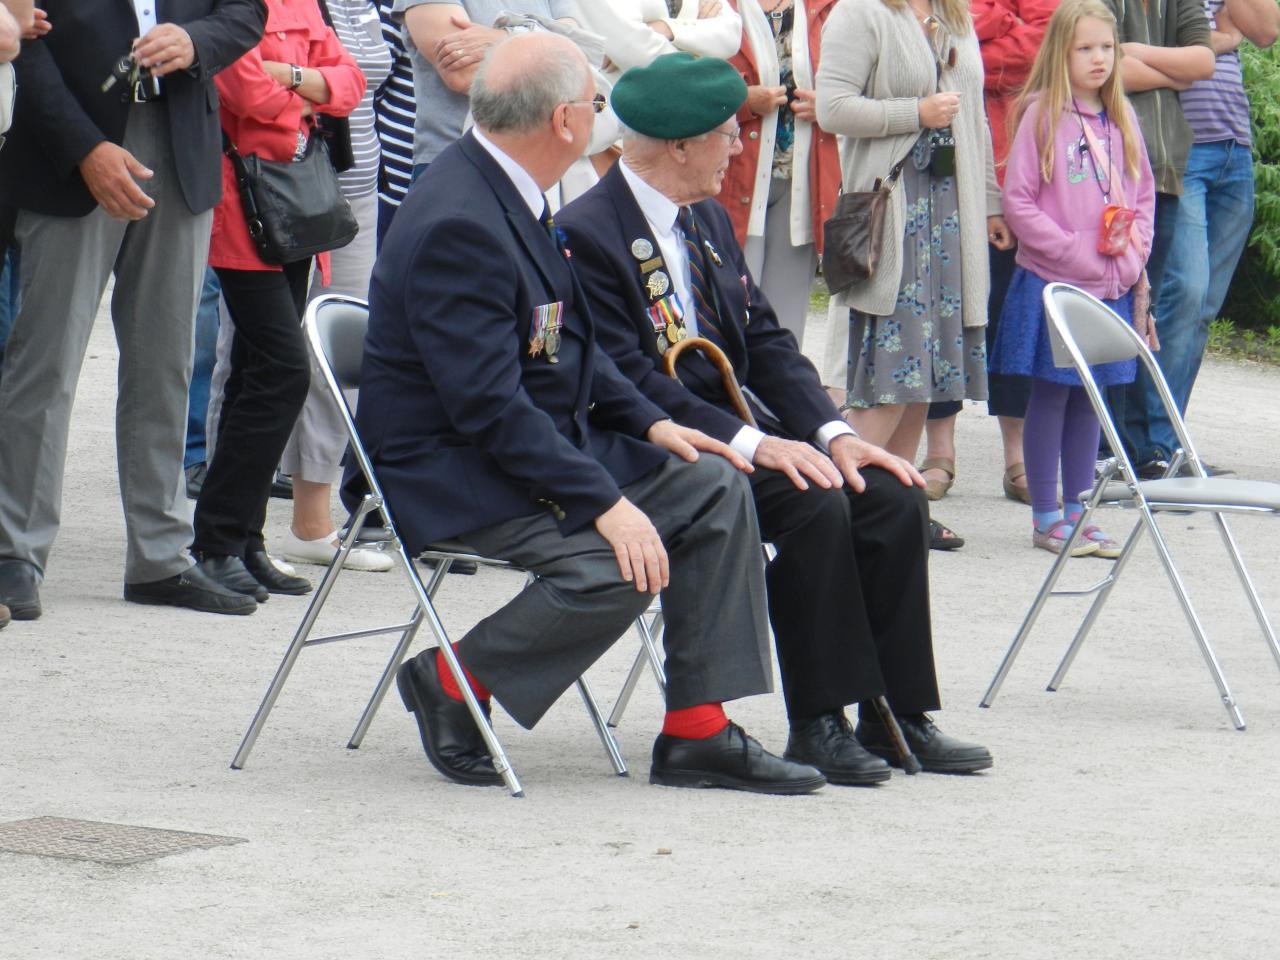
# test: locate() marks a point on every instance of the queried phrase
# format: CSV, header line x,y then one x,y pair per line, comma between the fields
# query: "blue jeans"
x,y
202,370
10,296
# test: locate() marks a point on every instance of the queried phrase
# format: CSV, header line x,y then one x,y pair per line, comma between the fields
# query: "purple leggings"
x,y
1060,421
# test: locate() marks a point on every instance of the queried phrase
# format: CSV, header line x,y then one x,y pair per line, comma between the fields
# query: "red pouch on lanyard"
x,y
1113,237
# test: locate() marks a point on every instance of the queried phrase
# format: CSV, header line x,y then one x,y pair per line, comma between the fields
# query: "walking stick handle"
x,y
723,367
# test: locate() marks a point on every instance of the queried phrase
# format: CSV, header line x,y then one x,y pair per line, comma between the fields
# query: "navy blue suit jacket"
x,y
465,427
601,227
62,113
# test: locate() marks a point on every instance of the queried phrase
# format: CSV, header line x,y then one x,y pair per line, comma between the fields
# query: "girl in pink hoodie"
x,y
1076,156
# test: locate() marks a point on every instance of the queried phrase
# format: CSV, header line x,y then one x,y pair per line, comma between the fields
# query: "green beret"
x,y
678,96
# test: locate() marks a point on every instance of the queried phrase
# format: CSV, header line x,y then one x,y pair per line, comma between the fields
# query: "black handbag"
x,y
294,209
852,238
335,130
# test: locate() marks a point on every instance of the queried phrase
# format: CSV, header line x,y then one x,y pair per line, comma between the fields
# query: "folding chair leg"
x,y
628,688
648,652
384,682
1249,590
1095,608
602,728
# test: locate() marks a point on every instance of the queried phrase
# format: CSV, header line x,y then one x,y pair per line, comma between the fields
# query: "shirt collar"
x,y
656,207
520,179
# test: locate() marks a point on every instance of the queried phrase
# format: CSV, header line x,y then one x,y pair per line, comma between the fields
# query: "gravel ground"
x,y
1124,816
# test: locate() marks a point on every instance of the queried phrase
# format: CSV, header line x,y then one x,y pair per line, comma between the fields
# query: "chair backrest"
x,y
1084,331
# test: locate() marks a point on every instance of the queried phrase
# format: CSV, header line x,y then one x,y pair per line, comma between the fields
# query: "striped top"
x,y
393,105
1218,108
356,24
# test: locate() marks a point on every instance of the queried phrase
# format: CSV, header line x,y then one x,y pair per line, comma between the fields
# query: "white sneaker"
x,y
321,551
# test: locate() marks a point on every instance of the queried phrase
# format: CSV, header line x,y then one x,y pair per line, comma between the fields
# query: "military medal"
x,y
553,345
641,249
666,316
657,284
546,330
675,332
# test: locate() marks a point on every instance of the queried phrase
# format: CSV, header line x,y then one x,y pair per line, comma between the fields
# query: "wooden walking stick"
x,y
910,765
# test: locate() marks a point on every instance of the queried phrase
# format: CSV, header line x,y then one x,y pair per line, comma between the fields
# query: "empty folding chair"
x,y
335,328
1084,331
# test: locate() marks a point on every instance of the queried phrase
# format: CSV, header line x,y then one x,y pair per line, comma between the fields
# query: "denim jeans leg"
x,y
206,341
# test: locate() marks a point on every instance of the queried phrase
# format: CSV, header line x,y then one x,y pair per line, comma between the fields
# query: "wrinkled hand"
x,y
685,442
850,454
938,110
39,26
457,51
804,106
110,172
636,544
801,462
708,9
762,100
165,49
999,234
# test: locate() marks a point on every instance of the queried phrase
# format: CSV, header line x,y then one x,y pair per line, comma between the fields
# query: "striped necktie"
x,y
703,305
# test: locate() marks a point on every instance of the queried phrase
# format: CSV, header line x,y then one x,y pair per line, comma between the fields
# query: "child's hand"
x,y
999,234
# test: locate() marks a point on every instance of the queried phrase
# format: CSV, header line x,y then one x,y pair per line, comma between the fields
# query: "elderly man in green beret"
x,y
848,589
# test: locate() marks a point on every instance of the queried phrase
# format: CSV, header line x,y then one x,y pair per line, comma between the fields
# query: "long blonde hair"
x,y
955,13
1050,84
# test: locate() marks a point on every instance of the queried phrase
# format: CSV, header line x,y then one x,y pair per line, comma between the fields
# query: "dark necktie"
x,y
703,304
673,7
549,222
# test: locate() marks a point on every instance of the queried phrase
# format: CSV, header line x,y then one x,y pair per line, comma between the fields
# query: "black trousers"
x,y
270,373
849,592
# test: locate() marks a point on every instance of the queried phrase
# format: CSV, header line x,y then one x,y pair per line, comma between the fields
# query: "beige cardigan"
x,y
876,65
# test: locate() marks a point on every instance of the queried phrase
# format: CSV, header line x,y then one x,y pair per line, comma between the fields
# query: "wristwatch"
x,y
295,76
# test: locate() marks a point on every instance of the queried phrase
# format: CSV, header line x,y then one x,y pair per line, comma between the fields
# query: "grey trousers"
x,y
716,639
159,264
784,272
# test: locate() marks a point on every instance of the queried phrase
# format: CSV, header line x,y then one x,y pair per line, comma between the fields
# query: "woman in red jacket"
x,y
782,187
269,101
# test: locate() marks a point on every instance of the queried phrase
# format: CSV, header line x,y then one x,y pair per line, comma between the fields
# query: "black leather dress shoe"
x,y
937,752
730,759
20,589
260,567
193,589
449,735
231,573
827,742
195,479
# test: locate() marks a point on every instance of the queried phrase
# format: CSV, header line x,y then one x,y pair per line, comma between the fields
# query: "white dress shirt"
x,y
529,191
661,213
146,12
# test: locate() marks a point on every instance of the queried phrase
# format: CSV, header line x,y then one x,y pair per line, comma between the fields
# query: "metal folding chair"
x,y
335,327
1084,331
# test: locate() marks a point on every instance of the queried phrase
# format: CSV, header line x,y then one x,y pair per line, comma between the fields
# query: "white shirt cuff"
x,y
745,441
829,431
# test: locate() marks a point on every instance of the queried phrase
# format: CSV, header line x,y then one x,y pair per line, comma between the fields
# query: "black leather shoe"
x,y
827,742
20,589
730,759
464,568
231,574
193,589
272,577
937,752
195,479
1151,469
449,734
282,486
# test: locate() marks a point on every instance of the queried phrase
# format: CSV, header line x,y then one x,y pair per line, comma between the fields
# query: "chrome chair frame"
x,y
1084,331
445,555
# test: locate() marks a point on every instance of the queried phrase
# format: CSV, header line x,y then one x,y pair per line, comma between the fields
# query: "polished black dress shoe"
x,y
193,589
449,735
730,759
231,574
259,565
827,742
463,568
20,589
937,752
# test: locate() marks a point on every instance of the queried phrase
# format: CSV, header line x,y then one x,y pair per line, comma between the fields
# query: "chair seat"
x,y
1226,492
457,550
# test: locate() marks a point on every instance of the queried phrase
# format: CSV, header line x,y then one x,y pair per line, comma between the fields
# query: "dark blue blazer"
x,y
465,427
62,113
601,227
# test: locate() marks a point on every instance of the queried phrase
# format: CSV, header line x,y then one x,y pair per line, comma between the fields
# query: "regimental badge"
x,y
641,249
653,264
545,331
657,284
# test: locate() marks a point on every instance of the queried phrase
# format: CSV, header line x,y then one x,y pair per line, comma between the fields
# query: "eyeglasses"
x,y
597,103
734,135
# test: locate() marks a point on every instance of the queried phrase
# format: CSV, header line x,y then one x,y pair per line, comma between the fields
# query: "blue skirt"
x,y
1022,345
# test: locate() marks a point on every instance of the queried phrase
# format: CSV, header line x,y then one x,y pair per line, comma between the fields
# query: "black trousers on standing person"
x,y
849,593
265,391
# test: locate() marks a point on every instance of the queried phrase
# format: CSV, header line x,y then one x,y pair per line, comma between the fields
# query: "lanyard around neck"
x,y
1093,148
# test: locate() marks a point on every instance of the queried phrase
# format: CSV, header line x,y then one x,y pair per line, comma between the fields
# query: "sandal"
x,y
1054,538
1011,488
942,537
937,489
1108,549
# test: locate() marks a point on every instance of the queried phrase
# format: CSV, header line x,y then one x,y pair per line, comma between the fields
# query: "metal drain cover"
x,y
115,843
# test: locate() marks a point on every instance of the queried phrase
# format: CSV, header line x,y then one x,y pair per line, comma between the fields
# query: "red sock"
x,y
450,685
695,723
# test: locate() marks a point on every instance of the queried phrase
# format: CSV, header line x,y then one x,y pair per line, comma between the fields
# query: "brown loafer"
x,y
937,489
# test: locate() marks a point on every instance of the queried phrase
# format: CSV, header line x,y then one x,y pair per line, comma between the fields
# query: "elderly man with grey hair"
x,y
493,417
